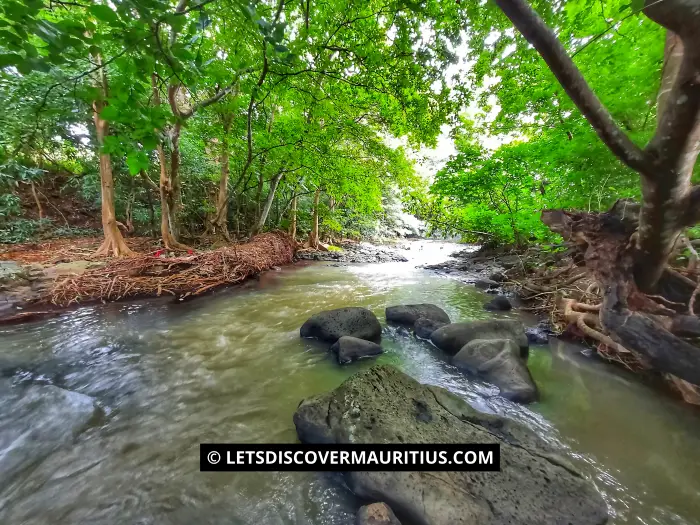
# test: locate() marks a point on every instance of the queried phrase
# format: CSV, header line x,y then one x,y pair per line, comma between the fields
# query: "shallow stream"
x,y
231,368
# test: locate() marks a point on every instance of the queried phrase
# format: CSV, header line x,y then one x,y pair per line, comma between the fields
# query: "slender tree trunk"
x,y
221,215
293,223
167,185
260,223
39,207
313,236
113,243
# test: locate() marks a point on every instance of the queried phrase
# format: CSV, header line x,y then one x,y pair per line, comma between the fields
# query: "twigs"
x,y
192,275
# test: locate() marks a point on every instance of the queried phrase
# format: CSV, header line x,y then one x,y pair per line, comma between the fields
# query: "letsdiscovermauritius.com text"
x,y
426,457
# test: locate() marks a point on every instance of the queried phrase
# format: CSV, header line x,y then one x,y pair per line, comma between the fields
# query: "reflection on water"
x,y
232,368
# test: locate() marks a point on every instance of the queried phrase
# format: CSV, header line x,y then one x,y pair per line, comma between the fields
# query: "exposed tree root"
x,y
146,276
592,292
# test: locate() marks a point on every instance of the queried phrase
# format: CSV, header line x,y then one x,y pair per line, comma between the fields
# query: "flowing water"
x,y
231,368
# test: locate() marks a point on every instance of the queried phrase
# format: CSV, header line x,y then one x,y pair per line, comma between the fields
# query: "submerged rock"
x,y
498,361
331,325
452,337
537,335
408,314
348,349
499,303
376,514
36,420
424,328
383,405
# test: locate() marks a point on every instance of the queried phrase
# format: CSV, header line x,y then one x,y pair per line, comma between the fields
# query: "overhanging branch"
x,y
528,22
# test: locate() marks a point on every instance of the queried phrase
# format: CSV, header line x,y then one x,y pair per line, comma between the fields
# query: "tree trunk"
x,y
293,223
168,185
633,320
113,243
313,236
221,214
666,164
260,223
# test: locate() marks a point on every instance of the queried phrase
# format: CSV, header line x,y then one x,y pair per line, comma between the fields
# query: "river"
x,y
232,368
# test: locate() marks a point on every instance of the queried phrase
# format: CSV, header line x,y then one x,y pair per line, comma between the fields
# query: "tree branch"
x,y
528,22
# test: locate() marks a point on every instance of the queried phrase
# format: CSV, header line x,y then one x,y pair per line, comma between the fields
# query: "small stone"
x,y
376,514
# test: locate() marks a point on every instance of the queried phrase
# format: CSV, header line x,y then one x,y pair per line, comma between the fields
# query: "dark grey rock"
x,y
383,405
349,349
499,303
498,361
537,336
376,514
485,284
498,277
424,328
408,314
452,337
331,325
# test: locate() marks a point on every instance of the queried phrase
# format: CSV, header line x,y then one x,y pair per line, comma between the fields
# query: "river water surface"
x,y
231,368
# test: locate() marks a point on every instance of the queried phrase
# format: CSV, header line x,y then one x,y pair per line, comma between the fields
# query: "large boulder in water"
x,y
452,337
331,325
498,361
383,405
348,349
35,420
408,314
376,514
424,328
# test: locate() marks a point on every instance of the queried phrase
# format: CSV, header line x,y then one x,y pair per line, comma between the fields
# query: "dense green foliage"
x,y
549,156
295,97
302,92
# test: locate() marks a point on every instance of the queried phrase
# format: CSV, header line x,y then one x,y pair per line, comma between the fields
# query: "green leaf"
x,y
110,113
137,160
10,59
104,13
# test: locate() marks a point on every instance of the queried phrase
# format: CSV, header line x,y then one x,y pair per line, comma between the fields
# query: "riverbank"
x,y
39,280
553,283
31,291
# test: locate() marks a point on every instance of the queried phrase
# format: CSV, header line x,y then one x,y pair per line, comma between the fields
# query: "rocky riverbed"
x,y
354,252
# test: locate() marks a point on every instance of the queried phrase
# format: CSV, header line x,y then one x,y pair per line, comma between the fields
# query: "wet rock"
x,y
11,271
498,361
452,337
376,514
383,405
331,325
354,252
36,420
408,314
499,303
348,349
485,284
510,261
424,328
498,277
537,335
